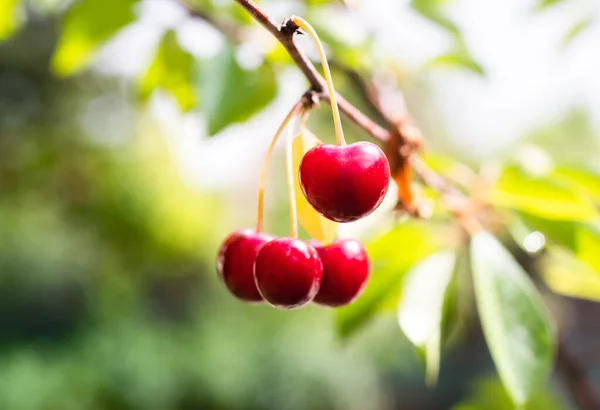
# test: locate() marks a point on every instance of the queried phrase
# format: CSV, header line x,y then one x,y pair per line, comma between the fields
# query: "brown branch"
x,y
575,379
285,34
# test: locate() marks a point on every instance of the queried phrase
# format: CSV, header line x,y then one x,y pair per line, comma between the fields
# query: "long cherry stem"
x,y
290,184
337,122
263,174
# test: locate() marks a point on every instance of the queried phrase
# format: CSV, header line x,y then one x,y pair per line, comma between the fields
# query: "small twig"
x,y
575,379
285,34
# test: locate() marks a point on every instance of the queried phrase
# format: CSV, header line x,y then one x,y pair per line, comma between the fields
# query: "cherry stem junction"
x,y
263,174
337,122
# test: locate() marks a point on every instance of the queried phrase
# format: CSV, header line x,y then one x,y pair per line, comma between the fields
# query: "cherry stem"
x,y
290,183
337,122
263,174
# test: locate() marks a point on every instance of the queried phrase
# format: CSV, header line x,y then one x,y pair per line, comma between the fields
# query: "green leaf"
x,y
586,181
576,29
588,245
541,196
391,257
231,94
86,26
431,9
458,60
171,70
421,307
561,232
516,323
567,275
542,4
489,394
9,18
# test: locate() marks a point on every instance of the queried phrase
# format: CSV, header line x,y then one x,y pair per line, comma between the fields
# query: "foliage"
x,y
114,250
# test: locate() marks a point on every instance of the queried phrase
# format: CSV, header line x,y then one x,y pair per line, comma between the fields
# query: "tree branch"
x,y
285,35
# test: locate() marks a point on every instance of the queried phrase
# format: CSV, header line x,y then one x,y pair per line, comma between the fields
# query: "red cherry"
x,y
288,273
345,272
345,183
235,262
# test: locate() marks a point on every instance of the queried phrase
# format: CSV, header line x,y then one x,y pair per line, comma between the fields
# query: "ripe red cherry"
x,y
288,272
345,183
345,272
235,263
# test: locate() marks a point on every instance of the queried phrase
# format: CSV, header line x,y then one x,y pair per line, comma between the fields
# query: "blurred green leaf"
x,y
515,321
231,94
586,181
489,394
541,196
421,307
561,232
9,20
588,245
431,9
567,275
391,256
576,29
87,25
542,4
171,70
458,59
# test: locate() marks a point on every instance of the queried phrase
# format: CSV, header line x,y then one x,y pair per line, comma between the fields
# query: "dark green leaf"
x,y
391,256
171,70
561,232
421,307
516,323
489,394
9,19
231,94
85,26
541,196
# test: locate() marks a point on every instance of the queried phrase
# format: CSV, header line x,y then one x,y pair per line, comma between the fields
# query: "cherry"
x,y
345,272
288,272
235,262
347,182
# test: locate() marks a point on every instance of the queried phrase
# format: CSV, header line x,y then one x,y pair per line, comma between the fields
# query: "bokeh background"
x,y
114,196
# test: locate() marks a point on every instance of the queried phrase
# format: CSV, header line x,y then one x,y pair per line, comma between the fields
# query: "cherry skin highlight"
x,y
345,272
288,273
345,183
235,263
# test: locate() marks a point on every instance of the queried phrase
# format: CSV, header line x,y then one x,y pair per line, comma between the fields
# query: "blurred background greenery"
x,y
114,198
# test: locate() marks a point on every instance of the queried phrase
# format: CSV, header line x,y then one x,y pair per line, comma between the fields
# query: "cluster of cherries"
x,y
342,183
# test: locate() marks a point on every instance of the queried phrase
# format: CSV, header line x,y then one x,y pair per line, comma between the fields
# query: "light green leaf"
x,y
567,275
561,232
431,9
87,25
544,197
391,256
9,18
171,70
585,181
231,94
516,323
576,29
420,310
588,245
458,60
542,4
